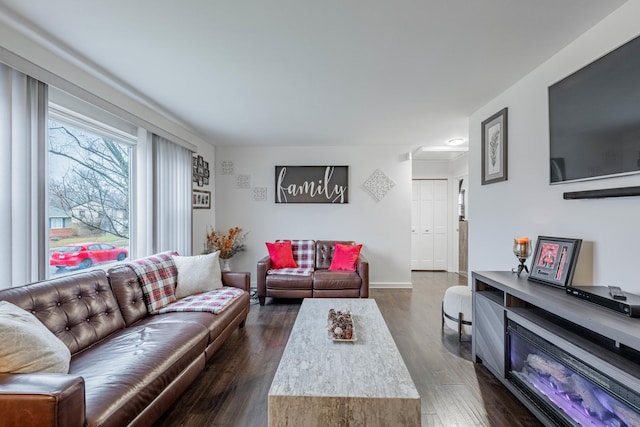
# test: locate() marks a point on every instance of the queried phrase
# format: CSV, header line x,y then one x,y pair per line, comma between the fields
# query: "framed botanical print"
x,y
494,148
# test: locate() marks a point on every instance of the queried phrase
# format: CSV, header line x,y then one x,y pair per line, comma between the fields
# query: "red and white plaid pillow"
x,y
304,252
158,276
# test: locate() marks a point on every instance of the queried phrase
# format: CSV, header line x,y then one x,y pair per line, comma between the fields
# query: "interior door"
x,y
427,218
416,247
440,226
429,229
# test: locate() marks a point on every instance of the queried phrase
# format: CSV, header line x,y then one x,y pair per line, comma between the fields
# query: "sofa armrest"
x,y
43,400
264,265
237,279
362,268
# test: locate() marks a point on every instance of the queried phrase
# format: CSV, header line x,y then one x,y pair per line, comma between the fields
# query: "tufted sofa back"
x,y
324,252
79,309
126,287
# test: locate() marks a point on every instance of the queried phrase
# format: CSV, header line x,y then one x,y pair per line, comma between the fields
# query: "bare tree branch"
x,y
94,189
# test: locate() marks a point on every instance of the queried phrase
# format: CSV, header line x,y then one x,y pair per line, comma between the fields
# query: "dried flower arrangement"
x,y
228,245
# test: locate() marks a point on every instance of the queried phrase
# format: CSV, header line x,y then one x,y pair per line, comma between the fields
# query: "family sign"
x,y
312,184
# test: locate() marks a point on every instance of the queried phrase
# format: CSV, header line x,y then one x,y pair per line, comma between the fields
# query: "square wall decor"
x,y
378,185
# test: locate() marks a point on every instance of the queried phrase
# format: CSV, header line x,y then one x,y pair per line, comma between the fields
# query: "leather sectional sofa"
x,y
321,283
127,367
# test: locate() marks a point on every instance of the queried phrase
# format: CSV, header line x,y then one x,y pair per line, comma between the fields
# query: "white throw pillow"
x,y
27,345
197,274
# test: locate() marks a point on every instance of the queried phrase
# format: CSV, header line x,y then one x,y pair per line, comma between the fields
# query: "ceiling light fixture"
x,y
443,148
455,141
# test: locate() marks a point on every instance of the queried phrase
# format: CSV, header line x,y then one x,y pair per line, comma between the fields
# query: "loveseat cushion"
x,y
125,373
79,309
289,281
292,271
327,279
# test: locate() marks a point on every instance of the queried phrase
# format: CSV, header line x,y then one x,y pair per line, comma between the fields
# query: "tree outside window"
x,y
89,184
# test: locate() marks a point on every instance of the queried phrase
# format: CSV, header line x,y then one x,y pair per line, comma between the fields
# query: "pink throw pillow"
x,y
345,257
281,255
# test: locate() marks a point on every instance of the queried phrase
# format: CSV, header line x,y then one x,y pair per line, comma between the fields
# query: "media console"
x,y
569,361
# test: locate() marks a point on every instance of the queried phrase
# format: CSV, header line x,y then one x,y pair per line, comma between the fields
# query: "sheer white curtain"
x,y
172,196
23,118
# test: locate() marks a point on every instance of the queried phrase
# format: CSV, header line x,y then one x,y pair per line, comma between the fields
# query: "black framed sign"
x,y
312,184
554,260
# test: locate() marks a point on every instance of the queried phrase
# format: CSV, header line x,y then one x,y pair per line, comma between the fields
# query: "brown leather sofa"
x,y
322,283
127,367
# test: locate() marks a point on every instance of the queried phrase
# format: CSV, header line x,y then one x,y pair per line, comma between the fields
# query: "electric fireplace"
x,y
567,390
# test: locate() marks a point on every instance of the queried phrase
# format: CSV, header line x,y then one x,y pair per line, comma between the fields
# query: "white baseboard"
x,y
396,285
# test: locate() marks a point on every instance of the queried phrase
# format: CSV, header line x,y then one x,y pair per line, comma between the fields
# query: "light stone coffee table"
x,y
322,383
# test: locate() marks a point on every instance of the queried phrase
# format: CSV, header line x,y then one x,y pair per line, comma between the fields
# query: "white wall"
x,y
383,227
526,205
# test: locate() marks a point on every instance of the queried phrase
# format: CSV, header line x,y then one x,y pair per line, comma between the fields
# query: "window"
x,y
89,191
56,223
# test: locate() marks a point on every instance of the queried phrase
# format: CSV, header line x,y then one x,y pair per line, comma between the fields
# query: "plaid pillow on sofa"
x,y
158,276
304,252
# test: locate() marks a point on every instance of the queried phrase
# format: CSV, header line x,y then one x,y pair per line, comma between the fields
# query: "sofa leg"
x,y
242,323
261,299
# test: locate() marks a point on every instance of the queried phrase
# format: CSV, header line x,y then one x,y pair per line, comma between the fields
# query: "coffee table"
x,y
320,382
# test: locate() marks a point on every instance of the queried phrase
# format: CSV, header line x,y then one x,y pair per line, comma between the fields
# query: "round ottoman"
x,y
456,310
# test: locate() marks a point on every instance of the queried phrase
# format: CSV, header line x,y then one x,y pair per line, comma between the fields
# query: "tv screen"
x,y
594,118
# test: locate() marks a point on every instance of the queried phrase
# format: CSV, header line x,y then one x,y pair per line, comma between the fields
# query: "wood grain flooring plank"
x,y
232,390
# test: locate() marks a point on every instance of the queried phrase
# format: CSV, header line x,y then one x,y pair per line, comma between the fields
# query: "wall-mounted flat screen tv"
x,y
594,118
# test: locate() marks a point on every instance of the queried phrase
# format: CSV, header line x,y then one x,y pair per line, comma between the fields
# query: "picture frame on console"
x,y
554,260
494,148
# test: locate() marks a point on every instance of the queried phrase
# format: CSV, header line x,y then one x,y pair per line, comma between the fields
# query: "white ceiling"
x,y
323,72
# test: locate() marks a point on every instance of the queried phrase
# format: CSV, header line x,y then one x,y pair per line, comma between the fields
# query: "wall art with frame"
x,y
554,260
201,199
200,174
494,148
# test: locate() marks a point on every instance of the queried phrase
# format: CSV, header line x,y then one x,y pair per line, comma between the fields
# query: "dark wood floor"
x,y
232,390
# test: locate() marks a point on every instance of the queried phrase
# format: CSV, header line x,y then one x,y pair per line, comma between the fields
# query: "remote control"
x,y
616,293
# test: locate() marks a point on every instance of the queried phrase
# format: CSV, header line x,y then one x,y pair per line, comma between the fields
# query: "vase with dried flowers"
x,y
228,244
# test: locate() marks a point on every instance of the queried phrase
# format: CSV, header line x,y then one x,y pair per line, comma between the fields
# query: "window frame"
x,y
77,119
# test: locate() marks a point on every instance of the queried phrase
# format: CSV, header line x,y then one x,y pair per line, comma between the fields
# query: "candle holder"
x,y
522,251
